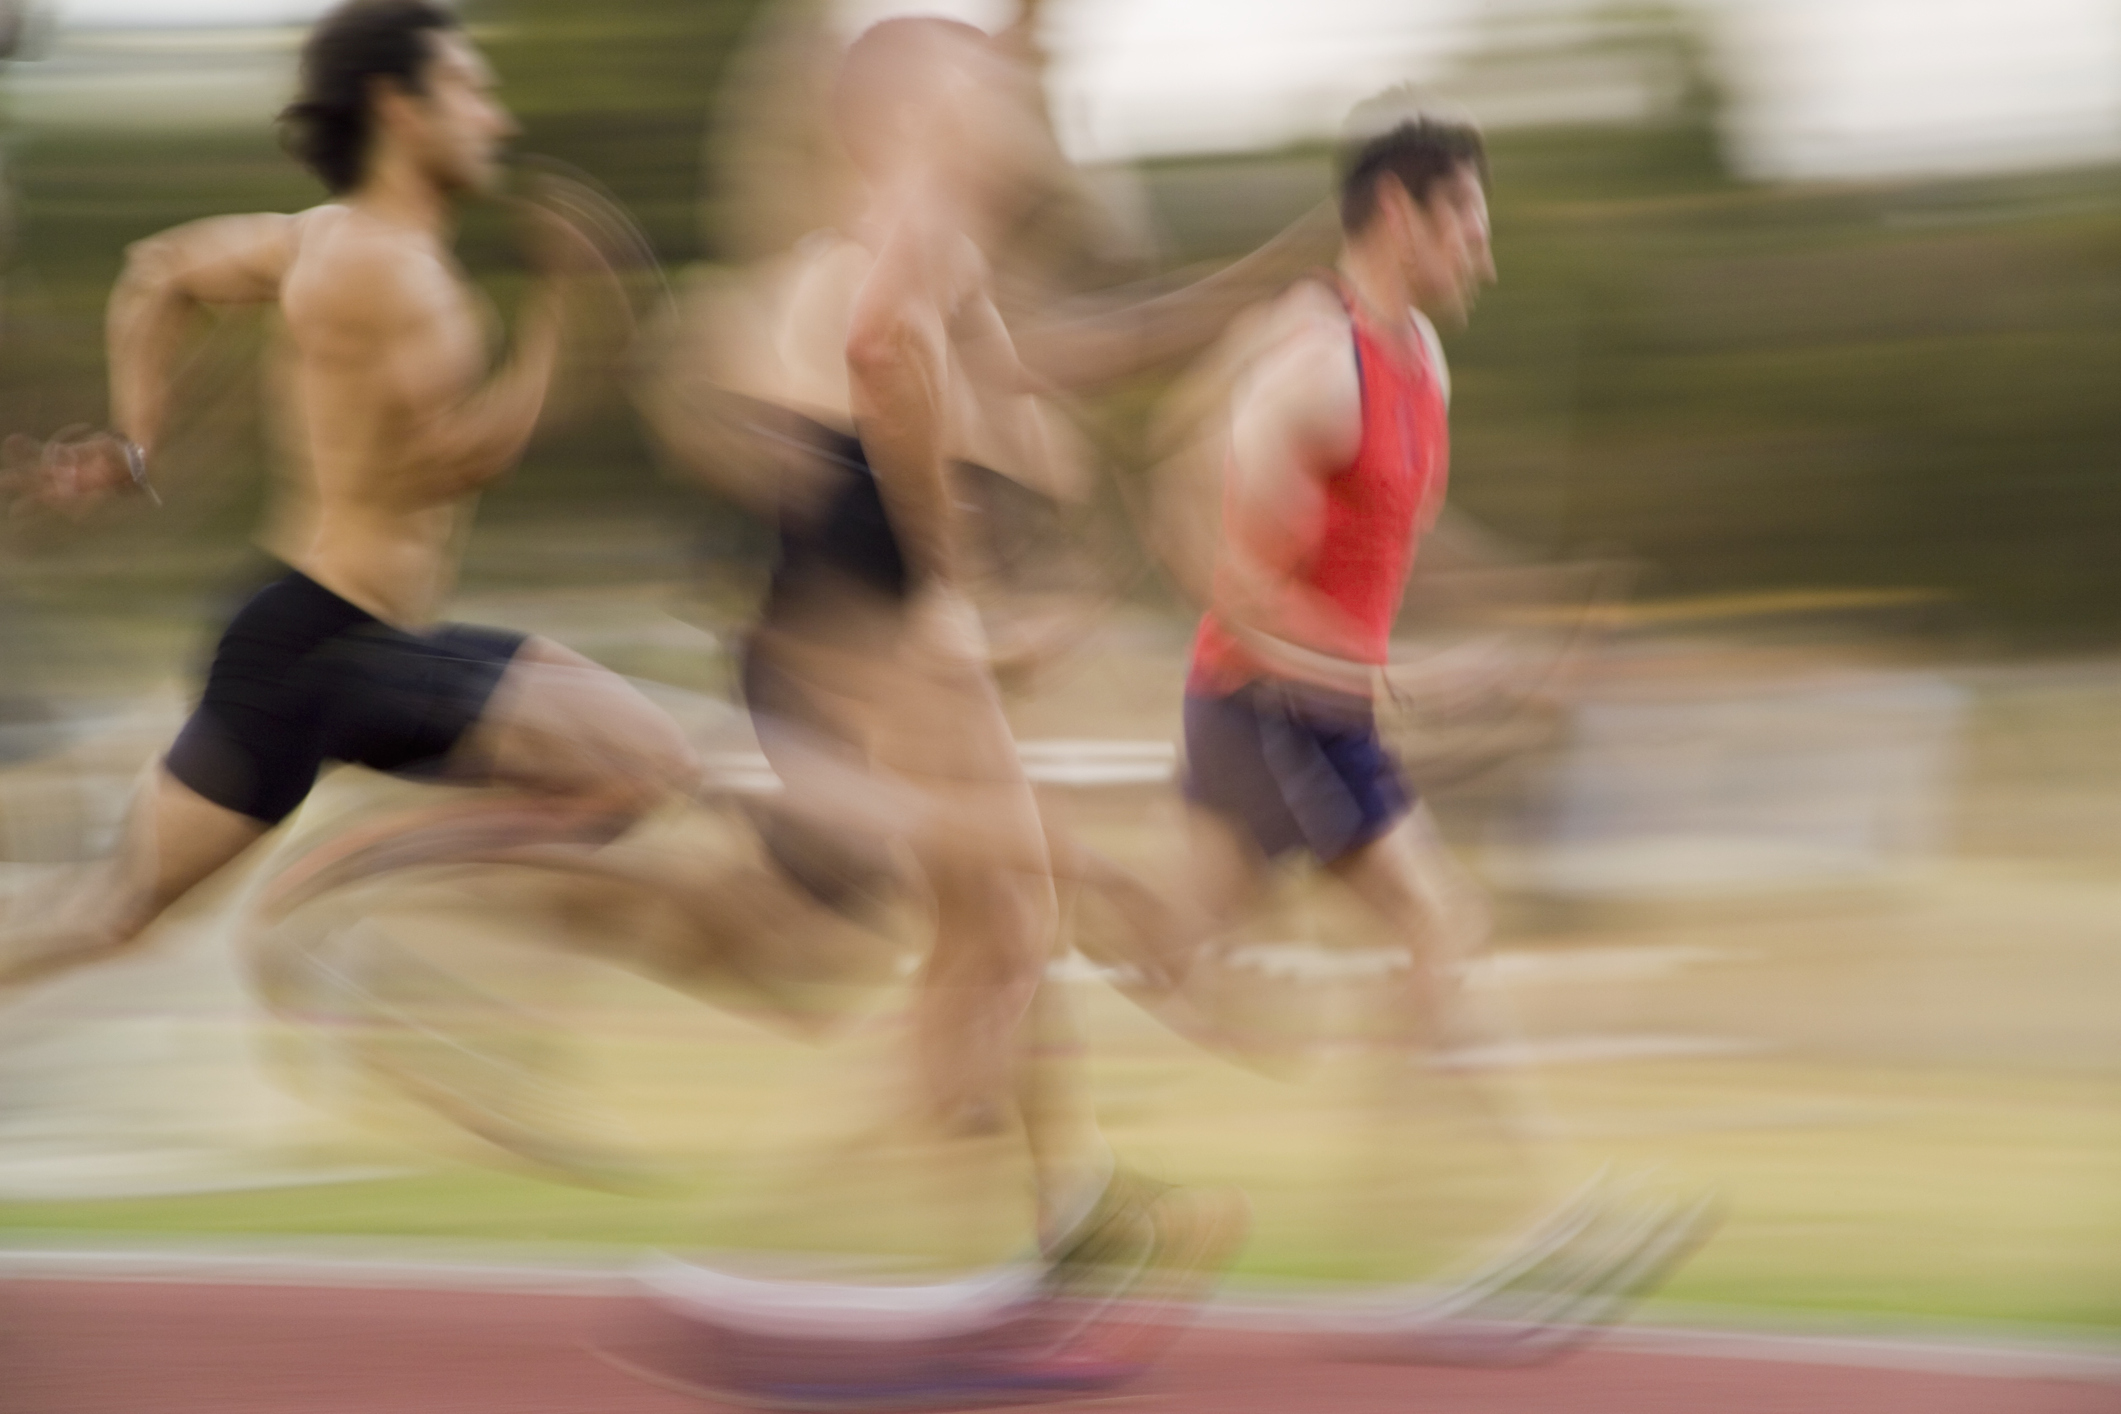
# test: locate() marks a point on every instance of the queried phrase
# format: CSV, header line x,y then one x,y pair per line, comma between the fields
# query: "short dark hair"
x,y
1420,152
329,123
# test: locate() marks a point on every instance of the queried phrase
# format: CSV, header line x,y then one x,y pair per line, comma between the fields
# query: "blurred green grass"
x,y
1897,385
1925,1192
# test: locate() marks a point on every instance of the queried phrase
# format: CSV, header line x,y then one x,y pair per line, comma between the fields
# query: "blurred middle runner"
x,y
875,382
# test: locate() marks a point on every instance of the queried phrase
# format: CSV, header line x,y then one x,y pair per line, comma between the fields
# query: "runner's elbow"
x,y
880,347
151,275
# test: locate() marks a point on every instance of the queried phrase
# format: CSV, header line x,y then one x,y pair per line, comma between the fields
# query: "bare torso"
x,y
799,361
372,529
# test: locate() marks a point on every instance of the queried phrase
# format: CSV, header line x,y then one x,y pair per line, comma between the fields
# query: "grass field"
x,y
1872,1191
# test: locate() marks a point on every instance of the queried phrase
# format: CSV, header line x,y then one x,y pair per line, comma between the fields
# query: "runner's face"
x,y
465,125
1447,254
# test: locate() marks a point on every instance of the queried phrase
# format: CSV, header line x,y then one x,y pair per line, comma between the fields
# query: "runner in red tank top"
x,y
1335,468
1372,510
1337,463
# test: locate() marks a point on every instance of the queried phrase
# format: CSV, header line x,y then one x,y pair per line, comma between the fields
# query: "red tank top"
x,y
1375,509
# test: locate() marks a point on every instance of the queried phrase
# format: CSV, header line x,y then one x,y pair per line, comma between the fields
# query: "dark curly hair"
x,y
327,126
1420,152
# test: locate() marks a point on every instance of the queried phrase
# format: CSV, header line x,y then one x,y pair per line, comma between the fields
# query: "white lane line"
x,y
1071,748
1301,961
1047,762
1597,1049
381,1265
1628,963
2097,1365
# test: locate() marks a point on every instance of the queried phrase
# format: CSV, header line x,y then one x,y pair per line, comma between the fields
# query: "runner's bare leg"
x,y
174,839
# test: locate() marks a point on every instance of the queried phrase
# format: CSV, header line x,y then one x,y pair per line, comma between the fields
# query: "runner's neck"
x,y
1377,294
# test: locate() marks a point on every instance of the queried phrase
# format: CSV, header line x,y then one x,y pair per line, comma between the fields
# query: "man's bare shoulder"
x,y
1309,315
1302,377
1305,318
218,260
352,275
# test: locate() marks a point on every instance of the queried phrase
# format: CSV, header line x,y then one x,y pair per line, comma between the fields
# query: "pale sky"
x,y
1845,87
1824,88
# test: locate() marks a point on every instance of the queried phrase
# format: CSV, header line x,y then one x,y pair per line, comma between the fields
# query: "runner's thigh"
x,y
559,721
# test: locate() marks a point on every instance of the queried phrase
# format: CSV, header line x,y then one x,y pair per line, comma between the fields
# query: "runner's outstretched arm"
x,y
167,281
1104,338
1297,418
896,372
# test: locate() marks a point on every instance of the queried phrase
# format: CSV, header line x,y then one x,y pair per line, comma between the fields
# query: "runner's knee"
x,y
661,761
995,925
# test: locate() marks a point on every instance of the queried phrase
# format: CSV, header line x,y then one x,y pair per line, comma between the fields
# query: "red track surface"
x,y
153,1348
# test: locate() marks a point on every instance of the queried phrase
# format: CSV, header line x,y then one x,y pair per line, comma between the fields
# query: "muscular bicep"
x,y
1295,420
223,260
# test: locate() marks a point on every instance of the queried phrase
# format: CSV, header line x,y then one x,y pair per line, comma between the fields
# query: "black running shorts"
x,y
303,677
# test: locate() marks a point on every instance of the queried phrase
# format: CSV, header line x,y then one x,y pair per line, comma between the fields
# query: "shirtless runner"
x,y
341,658
877,381
884,374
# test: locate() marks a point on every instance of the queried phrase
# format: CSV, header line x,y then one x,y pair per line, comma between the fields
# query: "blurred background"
x,y
1810,310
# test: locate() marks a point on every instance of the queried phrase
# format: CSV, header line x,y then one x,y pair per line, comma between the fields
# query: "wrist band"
x,y
136,464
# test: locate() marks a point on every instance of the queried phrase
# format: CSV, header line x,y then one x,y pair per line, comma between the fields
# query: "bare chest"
x,y
456,343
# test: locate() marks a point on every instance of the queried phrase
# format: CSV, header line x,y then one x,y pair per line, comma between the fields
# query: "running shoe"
x,y
1093,1316
1574,1274
1140,1267
995,1338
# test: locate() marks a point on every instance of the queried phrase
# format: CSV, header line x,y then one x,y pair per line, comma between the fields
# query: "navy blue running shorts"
x,y
1293,768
